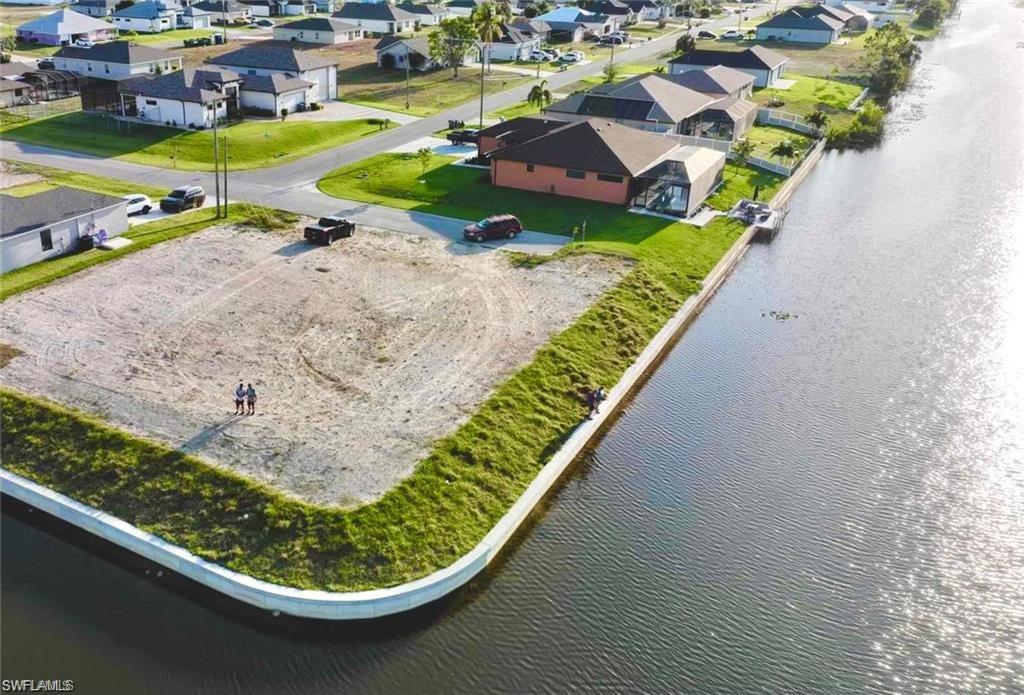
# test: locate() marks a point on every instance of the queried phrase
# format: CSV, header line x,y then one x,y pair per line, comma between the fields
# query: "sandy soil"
x,y
362,353
11,177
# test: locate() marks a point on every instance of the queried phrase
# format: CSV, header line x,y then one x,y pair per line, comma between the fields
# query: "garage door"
x,y
291,101
322,85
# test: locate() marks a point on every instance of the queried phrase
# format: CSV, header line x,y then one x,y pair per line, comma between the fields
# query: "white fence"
x,y
855,104
710,143
786,120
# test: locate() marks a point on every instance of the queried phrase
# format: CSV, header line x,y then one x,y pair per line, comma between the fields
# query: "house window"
x,y
150,102
106,68
46,239
609,178
252,72
575,174
531,168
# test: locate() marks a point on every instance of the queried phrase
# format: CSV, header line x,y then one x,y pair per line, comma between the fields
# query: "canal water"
x,y
828,499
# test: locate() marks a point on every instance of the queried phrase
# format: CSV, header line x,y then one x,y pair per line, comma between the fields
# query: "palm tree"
x,y
784,150
818,119
539,95
487,20
741,152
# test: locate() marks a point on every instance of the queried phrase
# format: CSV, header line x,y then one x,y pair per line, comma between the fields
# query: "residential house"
x,y
281,8
854,18
225,11
621,11
801,25
377,17
764,64
463,8
148,17
514,132
94,8
718,81
874,6
305,61
393,52
649,10
184,98
571,24
272,95
15,93
116,60
513,44
14,70
64,27
191,17
610,163
533,27
427,15
326,30
54,222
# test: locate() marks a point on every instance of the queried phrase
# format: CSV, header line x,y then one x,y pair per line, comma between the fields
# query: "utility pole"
x,y
216,161
224,19
225,176
406,77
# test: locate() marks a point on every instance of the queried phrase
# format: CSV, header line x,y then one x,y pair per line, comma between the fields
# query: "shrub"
x,y
864,131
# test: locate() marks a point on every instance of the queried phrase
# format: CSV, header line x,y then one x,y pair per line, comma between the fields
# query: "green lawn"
x,y
765,137
177,35
251,144
429,92
515,111
811,94
739,182
89,182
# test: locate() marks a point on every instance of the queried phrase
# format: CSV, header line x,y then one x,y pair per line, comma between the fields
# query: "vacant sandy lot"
x,y
362,353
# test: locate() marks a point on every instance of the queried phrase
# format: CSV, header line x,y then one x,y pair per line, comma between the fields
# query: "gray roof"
x,y
531,26
64,22
277,55
518,130
273,84
119,52
222,6
374,10
608,7
196,86
13,85
15,68
642,98
423,8
22,214
732,108
592,145
510,33
94,3
329,24
416,44
753,58
193,11
797,18
144,10
717,79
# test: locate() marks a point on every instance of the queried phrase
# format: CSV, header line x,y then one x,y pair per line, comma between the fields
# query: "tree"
x,y
448,45
424,154
487,20
784,150
931,12
123,4
539,95
741,153
543,6
686,43
890,52
610,71
531,11
818,119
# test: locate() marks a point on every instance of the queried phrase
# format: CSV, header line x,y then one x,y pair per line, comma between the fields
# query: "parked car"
x,y
45,64
624,35
704,34
460,137
494,227
571,57
539,56
593,38
264,23
555,53
609,40
327,229
731,34
184,198
84,43
138,204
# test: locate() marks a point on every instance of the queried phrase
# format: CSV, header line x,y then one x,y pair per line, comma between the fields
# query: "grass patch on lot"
x,y
429,92
143,236
810,94
739,182
808,59
27,189
167,36
515,111
434,516
89,182
765,137
251,144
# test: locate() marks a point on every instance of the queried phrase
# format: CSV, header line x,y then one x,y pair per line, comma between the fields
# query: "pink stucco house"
x,y
64,27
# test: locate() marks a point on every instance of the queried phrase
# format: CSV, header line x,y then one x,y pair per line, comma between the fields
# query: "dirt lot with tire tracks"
x,y
362,353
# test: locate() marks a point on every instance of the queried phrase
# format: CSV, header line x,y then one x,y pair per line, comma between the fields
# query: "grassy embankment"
x,y
251,144
143,235
453,497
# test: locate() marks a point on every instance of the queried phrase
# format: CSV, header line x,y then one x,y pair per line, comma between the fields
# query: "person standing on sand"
x,y
240,399
250,399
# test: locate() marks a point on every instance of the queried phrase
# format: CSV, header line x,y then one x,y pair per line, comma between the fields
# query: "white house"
x,y
801,25
513,45
271,94
54,222
184,98
394,51
572,23
649,10
224,10
148,17
116,60
94,8
377,17
326,30
290,58
764,64
281,8
876,6
193,18
463,8
426,15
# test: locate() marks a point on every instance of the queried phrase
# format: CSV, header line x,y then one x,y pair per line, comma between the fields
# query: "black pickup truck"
x,y
327,229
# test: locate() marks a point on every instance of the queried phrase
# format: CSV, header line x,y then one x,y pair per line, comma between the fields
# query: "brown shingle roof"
x,y
593,145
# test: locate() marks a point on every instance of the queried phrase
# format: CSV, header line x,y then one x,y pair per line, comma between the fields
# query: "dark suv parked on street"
x,y
184,198
494,227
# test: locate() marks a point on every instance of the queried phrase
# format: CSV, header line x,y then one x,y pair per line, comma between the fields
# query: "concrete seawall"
x,y
382,602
